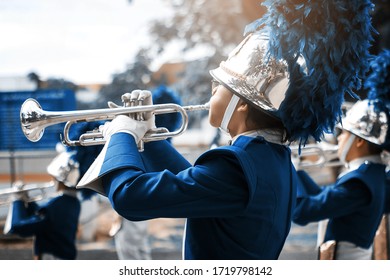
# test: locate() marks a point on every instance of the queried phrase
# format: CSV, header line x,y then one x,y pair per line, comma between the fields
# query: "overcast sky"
x,y
84,41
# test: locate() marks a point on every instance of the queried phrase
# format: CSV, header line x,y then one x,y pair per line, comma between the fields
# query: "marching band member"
x,y
238,199
54,223
355,203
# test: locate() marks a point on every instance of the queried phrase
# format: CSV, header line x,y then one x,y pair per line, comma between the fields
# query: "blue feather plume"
x,y
378,81
334,37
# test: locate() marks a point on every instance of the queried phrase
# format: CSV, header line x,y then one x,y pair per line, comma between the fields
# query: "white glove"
x,y
19,193
126,124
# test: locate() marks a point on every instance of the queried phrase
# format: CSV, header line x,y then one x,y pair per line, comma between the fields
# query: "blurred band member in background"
x,y
54,223
355,204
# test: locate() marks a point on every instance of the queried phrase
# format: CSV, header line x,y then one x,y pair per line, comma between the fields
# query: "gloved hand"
x,y
19,194
126,124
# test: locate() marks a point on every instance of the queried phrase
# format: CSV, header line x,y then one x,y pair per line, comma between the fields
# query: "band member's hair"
x,y
262,120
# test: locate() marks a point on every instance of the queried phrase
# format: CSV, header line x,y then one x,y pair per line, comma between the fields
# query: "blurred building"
x,y
169,73
16,83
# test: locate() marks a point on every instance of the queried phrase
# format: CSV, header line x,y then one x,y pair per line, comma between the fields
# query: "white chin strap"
x,y
228,113
346,148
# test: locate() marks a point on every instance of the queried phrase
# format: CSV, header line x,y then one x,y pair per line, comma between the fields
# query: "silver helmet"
x,y
368,119
64,169
251,75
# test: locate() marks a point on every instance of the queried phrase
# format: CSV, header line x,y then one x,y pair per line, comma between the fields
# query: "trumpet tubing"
x,y
316,156
34,120
31,192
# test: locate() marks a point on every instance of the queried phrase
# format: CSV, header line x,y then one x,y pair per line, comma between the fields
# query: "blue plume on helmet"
x,y
334,37
378,81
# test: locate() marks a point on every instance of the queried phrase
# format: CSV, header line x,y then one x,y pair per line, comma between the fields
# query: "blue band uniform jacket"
x,y
237,199
52,223
354,205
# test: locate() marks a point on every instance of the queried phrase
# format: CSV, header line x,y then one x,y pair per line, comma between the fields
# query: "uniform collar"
x,y
356,163
269,135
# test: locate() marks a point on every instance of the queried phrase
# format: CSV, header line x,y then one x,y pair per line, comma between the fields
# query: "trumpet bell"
x,y
30,113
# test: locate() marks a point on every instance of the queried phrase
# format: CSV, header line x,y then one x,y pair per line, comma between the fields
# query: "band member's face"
x,y
220,98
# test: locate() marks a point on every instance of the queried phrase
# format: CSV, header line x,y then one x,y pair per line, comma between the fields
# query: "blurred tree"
x,y
59,83
194,86
52,83
217,25
136,76
34,77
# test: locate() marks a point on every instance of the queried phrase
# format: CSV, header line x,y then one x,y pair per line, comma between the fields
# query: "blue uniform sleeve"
x,y
160,155
387,196
209,188
333,201
306,185
27,221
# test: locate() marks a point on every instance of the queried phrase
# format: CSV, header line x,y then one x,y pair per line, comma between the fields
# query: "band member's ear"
x,y
360,142
242,107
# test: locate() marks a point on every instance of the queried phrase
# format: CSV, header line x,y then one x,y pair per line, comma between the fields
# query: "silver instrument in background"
x,y
318,155
34,120
27,192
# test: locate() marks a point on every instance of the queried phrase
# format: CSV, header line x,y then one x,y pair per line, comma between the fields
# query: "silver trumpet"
x,y
27,192
318,155
34,120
